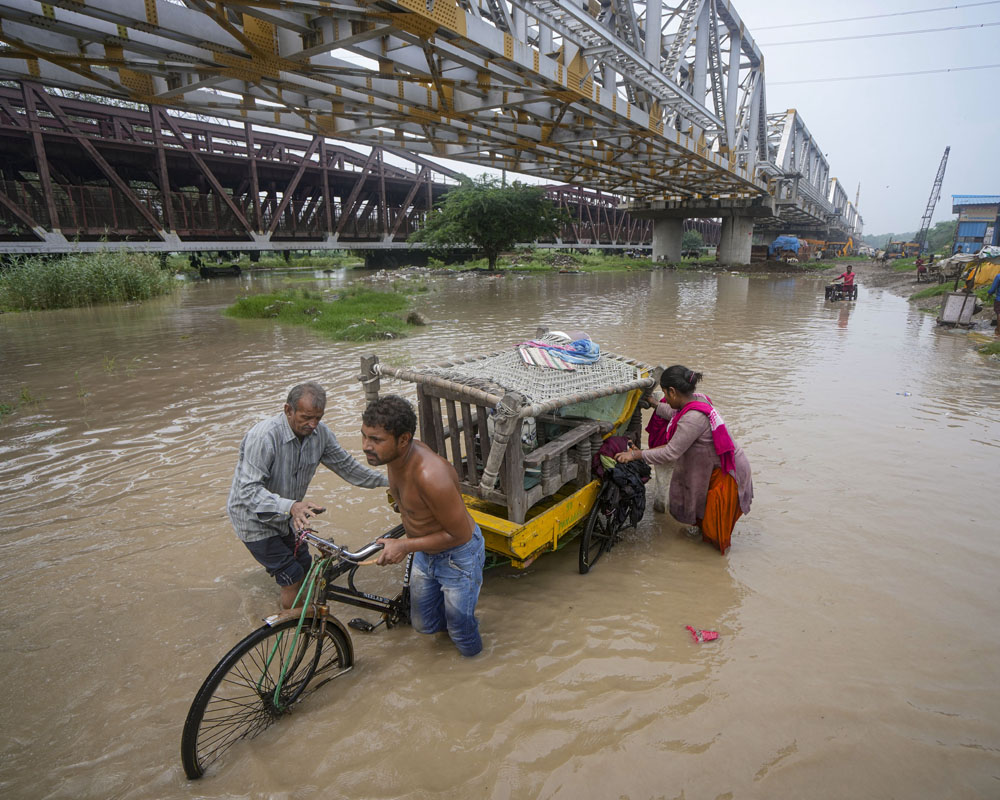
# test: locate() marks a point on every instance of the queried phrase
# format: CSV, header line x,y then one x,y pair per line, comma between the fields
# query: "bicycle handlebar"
x,y
364,553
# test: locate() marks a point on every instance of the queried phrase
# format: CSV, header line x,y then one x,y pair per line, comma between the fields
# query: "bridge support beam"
x,y
738,215
667,235
735,241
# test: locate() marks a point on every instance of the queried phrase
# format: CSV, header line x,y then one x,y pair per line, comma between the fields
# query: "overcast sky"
x,y
889,133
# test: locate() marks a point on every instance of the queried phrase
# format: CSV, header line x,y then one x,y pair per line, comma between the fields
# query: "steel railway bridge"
x,y
659,104
106,167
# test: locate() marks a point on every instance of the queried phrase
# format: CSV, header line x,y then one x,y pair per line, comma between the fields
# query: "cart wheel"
x,y
599,534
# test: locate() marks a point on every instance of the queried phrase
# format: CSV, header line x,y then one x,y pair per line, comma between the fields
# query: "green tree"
x,y
491,217
941,237
692,240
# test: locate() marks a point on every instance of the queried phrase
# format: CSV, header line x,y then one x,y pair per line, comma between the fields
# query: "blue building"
x,y
978,221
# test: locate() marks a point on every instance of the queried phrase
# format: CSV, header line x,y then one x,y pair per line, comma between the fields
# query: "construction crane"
x,y
925,223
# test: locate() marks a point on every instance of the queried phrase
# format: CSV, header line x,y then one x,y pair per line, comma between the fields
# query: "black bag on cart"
x,y
627,499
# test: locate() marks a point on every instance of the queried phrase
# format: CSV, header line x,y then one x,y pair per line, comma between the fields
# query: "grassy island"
x,y
353,314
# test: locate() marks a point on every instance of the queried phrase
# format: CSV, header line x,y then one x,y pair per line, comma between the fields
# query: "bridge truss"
x,y
75,173
646,100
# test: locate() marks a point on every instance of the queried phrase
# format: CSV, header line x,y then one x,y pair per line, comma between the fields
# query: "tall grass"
x,y
933,291
354,315
37,283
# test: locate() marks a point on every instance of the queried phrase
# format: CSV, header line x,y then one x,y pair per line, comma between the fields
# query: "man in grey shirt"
x,y
278,458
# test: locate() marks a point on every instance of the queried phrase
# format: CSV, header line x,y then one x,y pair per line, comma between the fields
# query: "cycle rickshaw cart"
x,y
524,457
523,438
839,291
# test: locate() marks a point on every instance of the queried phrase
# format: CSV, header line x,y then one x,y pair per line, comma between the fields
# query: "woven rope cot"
x,y
506,372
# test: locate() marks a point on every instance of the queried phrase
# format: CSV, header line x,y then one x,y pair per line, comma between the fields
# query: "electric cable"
x,y
876,16
882,35
885,75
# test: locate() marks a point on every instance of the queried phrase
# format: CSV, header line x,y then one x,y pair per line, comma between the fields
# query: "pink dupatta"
x,y
660,431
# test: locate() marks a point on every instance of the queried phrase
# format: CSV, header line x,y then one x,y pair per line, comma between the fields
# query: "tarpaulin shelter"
x,y
783,243
984,267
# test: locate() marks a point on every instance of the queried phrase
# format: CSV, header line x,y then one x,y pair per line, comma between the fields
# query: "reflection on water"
x,y
857,607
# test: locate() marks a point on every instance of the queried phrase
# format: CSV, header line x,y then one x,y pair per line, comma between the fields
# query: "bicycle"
x,y
277,666
604,526
298,651
614,508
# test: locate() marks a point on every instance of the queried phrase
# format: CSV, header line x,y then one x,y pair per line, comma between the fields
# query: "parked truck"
x,y
902,250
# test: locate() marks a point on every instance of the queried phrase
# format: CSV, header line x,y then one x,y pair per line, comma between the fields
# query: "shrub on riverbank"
x,y
38,283
551,260
299,259
354,315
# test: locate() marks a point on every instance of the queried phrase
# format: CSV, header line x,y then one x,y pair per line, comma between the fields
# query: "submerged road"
x,y
859,648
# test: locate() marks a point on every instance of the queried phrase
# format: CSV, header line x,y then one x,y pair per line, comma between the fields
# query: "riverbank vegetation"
x,y
548,260
39,283
904,264
271,260
490,216
354,314
933,291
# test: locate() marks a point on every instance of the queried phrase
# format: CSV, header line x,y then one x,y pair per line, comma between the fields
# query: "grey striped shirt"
x,y
274,472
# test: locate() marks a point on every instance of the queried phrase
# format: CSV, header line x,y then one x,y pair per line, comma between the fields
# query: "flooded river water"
x,y
859,649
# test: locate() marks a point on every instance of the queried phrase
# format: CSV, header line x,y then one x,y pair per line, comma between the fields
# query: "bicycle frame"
x,y
395,610
319,589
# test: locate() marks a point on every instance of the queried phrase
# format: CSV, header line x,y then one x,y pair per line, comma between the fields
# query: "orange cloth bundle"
x,y
722,509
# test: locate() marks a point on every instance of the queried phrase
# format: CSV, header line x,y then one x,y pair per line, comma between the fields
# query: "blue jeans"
x,y
444,588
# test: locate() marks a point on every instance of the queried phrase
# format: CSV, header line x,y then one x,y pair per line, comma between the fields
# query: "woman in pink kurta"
x,y
711,485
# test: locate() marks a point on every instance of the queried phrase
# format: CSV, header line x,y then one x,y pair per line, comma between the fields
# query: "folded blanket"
x,y
539,357
581,351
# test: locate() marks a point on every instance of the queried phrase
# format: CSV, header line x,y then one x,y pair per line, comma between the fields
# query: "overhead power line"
x,y
875,16
883,35
884,75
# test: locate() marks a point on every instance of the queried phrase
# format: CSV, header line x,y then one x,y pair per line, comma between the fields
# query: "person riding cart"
x,y
845,289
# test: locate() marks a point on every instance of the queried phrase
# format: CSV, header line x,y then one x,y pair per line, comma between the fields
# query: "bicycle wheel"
x,y
599,533
236,701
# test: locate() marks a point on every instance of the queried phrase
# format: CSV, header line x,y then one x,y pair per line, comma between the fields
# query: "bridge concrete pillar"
x,y
667,235
735,241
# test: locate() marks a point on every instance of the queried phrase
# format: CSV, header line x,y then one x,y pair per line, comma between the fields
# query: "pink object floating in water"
x,y
702,636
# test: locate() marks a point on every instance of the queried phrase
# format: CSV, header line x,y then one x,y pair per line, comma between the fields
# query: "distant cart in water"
x,y
837,291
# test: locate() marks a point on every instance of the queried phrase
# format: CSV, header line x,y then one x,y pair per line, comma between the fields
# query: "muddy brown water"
x,y
859,649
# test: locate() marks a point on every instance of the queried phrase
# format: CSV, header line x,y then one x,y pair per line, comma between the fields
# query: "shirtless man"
x,y
447,545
